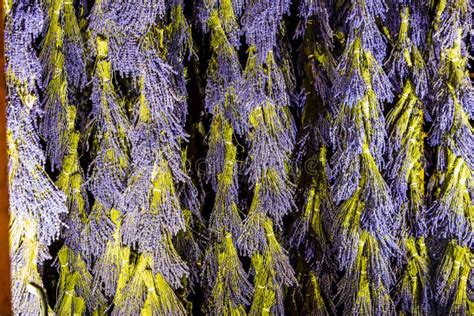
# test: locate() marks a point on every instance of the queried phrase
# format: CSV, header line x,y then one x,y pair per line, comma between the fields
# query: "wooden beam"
x,y
5,293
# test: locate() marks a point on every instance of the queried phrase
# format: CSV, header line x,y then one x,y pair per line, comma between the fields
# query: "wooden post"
x,y
5,293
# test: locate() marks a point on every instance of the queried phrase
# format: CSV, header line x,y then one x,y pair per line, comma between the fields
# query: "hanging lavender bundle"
x,y
451,211
62,56
108,170
406,163
271,133
107,127
36,204
177,49
76,291
224,278
150,201
365,227
230,11
308,234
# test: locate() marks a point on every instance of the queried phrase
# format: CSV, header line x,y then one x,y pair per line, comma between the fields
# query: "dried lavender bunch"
x,y
62,57
224,278
76,291
224,72
110,124
151,199
406,163
229,12
36,204
454,280
365,227
271,135
177,47
141,291
261,24
317,68
64,77
107,127
178,50
309,232
148,199
450,213
71,182
125,23
150,203
451,210
316,15
29,202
